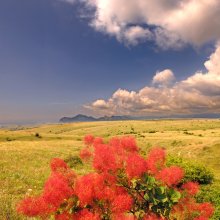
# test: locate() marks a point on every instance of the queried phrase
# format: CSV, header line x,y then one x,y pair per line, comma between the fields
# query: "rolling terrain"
x,y
25,152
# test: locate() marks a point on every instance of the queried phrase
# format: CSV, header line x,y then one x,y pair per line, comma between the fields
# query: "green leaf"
x,y
175,196
161,197
146,196
160,190
151,180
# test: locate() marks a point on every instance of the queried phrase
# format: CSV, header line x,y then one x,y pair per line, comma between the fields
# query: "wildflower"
x,y
69,176
56,190
171,175
121,203
97,140
88,140
129,144
206,209
136,166
191,187
156,160
115,141
104,159
33,207
200,218
58,164
86,186
85,154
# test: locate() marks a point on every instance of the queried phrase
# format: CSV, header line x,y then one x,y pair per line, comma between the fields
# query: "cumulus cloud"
x,y
165,77
199,93
135,34
170,23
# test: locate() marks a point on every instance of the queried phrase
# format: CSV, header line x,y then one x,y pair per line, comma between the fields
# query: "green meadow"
x,y
25,152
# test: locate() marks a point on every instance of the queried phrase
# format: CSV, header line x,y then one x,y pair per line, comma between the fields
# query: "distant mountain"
x,y
85,118
77,118
115,118
205,115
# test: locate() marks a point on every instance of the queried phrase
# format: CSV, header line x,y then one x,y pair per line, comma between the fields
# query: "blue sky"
x,y
55,61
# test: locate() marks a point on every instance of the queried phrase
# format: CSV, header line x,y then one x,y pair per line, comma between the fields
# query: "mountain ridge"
x,y
85,118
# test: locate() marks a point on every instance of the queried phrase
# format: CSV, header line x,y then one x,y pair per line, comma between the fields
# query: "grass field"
x,y
25,152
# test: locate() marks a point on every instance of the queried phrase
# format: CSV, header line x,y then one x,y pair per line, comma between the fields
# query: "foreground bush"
x,y
123,186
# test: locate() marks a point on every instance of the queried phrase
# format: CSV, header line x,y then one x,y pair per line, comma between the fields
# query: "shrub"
x,y
209,190
193,172
37,135
9,139
210,193
73,161
124,185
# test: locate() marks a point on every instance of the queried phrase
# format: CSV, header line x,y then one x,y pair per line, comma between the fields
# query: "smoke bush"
x,y
123,186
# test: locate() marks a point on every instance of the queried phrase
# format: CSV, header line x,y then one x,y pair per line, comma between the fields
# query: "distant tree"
x,y
37,135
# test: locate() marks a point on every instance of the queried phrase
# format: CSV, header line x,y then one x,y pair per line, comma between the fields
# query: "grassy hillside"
x,y
25,152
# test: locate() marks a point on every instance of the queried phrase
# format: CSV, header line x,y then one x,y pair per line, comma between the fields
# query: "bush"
x,y
123,186
209,190
73,161
210,193
193,172
37,135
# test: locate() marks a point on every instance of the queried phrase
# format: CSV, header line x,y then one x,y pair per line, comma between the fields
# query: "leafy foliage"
x,y
210,193
193,172
73,161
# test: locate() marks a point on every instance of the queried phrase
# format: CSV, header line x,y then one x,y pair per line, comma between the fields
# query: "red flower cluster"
x,y
121,203
56,190
120,152
85,154
88,140
135,166
33,207
188,207
104,158
57,164
191,188
156,160
206,210
170,175
123,186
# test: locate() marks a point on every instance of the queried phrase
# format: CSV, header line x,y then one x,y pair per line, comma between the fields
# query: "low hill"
x,y
85,118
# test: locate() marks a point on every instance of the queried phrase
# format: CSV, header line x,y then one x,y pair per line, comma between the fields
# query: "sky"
x,y
108,57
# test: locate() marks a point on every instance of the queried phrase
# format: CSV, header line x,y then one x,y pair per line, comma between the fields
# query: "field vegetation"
x,y
25,152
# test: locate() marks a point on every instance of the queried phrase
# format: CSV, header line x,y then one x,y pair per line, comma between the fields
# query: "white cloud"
x,y
213,64
171,23
199,93
135,34
100,103
164,78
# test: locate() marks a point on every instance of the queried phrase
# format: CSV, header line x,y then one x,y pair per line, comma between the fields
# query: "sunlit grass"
x,y
25,156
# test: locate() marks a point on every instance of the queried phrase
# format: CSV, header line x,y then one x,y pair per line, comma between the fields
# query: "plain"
x,y
25,152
